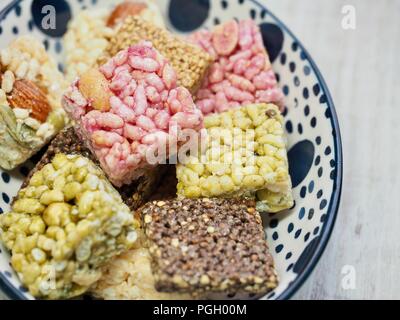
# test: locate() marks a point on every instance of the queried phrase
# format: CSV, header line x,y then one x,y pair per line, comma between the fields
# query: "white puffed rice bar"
x,y
89,34
86,39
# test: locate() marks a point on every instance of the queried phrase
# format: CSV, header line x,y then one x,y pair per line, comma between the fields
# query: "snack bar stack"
x,y
134,195
90,31
189,61
130,112
30,100
241,73
245,152
64,226
206,246
129,277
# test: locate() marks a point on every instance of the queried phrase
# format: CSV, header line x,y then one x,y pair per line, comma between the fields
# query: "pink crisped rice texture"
x,y
242,76
146,112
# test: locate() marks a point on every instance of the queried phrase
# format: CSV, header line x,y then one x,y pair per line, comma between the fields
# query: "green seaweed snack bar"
x,y
134,195
64,225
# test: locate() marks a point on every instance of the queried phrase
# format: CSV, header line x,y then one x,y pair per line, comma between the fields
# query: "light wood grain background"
x,y
362,70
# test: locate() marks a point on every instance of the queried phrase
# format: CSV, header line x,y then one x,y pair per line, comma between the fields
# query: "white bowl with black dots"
x,y
297,237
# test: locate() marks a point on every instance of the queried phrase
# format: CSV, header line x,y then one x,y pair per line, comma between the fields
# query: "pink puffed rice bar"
x,y
241,73
128,107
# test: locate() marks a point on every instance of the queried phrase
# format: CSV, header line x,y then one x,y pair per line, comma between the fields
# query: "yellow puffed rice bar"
x,y
245,152
64,226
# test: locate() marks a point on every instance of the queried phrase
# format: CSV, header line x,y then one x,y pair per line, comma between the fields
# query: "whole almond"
x,y
25,94
94,87
124,10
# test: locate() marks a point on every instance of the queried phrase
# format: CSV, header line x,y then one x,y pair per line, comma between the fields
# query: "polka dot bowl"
x,y
298,236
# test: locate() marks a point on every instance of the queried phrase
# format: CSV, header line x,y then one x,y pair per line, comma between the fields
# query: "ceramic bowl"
x,y
298,236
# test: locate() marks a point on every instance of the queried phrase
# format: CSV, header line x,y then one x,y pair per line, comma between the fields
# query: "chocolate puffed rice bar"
x,y
206,245
64,225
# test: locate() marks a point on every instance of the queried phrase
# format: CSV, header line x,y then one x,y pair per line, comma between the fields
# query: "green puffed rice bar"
x,y
64,225
245,152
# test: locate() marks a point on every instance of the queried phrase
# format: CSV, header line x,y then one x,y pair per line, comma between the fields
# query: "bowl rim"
x,y
334,201
13,293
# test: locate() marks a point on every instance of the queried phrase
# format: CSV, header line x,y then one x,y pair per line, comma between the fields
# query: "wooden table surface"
x,y
361,68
